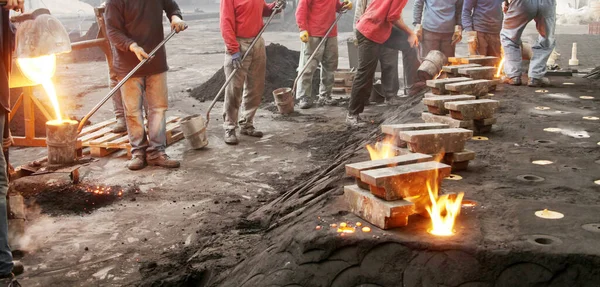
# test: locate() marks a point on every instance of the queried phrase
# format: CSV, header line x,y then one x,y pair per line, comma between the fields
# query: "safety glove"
x,y
236,60
346,5
473,43
457,36
304,36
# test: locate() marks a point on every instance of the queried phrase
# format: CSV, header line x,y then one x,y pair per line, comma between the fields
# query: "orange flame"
x,y
500,66
40,70
383,149
443,212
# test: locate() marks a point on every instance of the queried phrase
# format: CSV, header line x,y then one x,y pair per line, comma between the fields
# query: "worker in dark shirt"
x,y
134,27
8,268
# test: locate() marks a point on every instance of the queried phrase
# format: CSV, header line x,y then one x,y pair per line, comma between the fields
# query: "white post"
x,y
574,61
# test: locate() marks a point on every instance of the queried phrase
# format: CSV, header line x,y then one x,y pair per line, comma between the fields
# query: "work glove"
x,y
419,32
346,5
473,42
16,5
236,60
138,51
177,24
304,36
280,6
457,37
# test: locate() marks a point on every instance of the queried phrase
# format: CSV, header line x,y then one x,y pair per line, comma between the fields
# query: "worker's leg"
x,y
368,54
304,92
430,42
157,99
132,92
494,48
482,44
329,65
545,22
117,100
255,84
6,260
445,42
519,13
389,72
233,91
410,60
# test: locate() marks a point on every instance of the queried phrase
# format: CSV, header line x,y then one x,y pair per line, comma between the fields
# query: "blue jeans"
x,y
6,263
519,14
154,89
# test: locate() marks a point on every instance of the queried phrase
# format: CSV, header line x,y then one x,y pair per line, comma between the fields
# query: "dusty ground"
x,y
204,224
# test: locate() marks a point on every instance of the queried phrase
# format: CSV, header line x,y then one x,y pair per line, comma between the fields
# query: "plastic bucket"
x,y
194,130
432,65
284,99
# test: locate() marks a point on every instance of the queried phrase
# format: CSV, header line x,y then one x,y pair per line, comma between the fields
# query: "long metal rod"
x,y
230,77
122,82
312,56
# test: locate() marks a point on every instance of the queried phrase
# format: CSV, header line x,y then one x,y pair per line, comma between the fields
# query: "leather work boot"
x,y
355,121
137,162
18,268
251,131
230,137
538,83
305,104
163,160
120,126
514,81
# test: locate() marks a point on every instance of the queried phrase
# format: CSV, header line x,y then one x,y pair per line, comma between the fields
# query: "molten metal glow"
x,y
500,66
443,212
40,70
383,149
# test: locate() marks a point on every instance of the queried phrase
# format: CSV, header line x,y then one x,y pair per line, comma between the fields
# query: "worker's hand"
x,y
17,5
413,40
419,32
304,36
505,6
473,42
346,5
236,60
177,24
457,37
354,41
280,6
139,52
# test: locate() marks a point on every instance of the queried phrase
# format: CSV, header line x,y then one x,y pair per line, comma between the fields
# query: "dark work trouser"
x,y
368,55
388,60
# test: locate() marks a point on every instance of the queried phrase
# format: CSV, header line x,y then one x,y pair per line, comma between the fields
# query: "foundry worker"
x,y
438,25
482,19
8,268
388,60
314,17
382,25
518,14
241,21
134,27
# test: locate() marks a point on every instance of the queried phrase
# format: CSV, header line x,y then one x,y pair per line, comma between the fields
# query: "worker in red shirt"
x,y
314,17
241,21
382,26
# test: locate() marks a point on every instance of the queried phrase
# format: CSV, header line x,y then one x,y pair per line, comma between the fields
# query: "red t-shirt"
x,y
242,18
377,21
316,16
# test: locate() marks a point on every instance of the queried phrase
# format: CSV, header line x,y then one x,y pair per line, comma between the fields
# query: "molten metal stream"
x,y
40,70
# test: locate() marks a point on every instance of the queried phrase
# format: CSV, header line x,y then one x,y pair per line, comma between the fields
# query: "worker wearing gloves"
x,y
241,21
482,20
314,17
8,268
381,25
388,60
438,25
135,27
518,14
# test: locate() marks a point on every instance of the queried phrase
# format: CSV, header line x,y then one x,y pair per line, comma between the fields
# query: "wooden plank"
x,y
100,151
175,138
95,127
354,169
99,133
41,107
29,113
118,143
22,141
106,138
15,107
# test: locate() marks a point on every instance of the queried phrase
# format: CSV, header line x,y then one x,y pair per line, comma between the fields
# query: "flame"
x,y
500,66
40,70
382,150
443,212
438,75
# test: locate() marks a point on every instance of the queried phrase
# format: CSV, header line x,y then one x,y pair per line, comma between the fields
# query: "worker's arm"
x,y
302,14
458,13
467,14
418,11
172,9
402,26
227,25
268,9
115,26
360,10
338,6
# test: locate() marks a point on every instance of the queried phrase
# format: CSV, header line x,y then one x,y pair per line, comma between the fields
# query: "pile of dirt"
x,y
281,72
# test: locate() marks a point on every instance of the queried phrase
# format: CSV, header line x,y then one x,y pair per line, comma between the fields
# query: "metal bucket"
x,y
61,139
284,99
432,65
194,130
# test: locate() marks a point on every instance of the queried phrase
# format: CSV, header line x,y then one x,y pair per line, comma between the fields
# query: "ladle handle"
x,y
122,82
